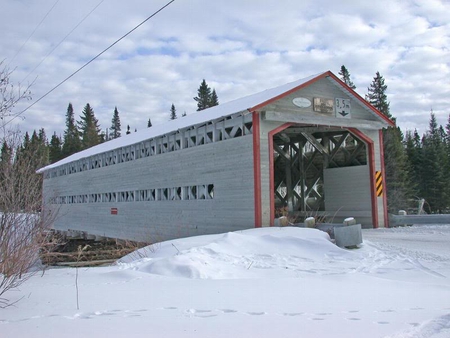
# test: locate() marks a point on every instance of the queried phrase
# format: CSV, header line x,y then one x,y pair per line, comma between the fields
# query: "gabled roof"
x,y
247,103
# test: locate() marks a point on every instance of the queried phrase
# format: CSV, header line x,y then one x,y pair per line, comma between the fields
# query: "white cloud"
x,y
239,47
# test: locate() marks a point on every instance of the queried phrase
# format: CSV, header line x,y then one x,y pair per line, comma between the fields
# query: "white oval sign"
x,y
302,102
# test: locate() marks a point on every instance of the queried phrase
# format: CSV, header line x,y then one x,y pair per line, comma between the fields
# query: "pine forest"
x,y
417,167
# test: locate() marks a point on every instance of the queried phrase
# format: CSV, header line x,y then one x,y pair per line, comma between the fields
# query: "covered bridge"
x,y
310,147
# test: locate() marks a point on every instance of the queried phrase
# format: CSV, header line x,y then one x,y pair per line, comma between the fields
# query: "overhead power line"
x,y
91,60
68,34
34,31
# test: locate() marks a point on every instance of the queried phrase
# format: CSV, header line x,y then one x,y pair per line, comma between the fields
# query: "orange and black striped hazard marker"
x,y
379,183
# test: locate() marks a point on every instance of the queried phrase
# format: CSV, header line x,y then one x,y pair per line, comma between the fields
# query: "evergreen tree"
x,y
184,114
31,155
55,149
377,95
447,130
26,141
35,149
214,100
173,112
89,128
72,142
397,170
128,130
42,151
398,181
345,77
6,159
149,123
203,97
413,148
435,168
5,153
115,125
34,141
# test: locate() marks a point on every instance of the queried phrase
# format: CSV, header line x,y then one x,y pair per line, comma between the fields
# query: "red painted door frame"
x,y
257,168
370,145
371,148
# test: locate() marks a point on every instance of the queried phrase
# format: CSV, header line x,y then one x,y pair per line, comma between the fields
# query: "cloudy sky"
x,y
238,46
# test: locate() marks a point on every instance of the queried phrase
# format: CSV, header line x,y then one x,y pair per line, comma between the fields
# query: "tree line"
x,y
86,132
416,166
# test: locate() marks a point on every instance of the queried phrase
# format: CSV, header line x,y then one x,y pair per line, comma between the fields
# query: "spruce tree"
x,y
42,151
89,128
447,136
435,168
173,112
398,181
214,100
128,130
55,149
149,123
5,153
115,125
26,141
377,95
413,149
32,155
397,170
203,97
71,139
345,77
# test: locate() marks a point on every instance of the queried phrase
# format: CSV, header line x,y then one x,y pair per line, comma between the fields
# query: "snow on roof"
x,y
222,110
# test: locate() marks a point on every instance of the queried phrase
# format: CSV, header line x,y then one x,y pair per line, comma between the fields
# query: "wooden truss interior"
x,y
300,156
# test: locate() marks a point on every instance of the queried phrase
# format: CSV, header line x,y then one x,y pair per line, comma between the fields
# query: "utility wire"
x,y
79,23
34,31
91,60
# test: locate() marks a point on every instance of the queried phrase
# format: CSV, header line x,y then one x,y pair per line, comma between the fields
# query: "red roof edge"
x,y
362,100
334,77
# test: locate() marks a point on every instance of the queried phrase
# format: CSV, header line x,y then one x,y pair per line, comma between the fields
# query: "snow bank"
x,y
246,254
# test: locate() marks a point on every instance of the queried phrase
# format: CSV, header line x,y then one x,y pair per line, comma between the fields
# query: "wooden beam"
x,y
311,139
314,130
320,120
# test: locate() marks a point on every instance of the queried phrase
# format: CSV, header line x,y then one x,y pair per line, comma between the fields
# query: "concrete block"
x,y
348,236
310,222
349,221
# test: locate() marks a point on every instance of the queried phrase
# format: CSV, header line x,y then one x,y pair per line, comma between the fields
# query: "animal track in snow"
x,y
228,311
256,313
201,313
293,314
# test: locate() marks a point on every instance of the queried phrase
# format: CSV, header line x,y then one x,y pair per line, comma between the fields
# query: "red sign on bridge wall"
x,y
114,211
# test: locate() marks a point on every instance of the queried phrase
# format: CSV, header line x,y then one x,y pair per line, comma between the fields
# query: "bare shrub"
x,y
23,228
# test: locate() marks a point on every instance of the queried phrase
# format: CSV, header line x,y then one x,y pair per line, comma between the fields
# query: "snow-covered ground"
x,y
270,282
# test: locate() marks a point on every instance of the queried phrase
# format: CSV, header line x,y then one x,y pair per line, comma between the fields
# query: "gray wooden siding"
x,y
228,165
347,193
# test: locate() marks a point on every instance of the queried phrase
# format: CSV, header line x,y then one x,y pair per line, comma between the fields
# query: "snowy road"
x,y
426,239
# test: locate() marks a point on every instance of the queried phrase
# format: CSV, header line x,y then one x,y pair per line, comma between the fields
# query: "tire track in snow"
x,y
386,254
